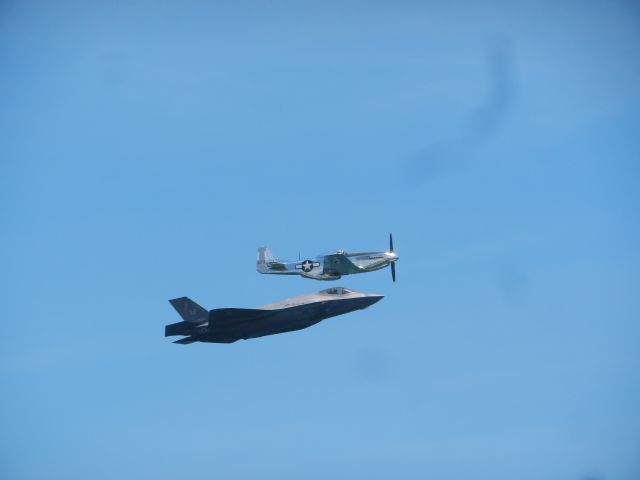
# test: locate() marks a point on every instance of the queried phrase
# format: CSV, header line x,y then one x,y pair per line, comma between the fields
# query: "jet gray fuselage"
x,y
227,325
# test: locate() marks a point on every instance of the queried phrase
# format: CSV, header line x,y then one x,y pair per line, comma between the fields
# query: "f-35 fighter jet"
x,y
331,266
227,325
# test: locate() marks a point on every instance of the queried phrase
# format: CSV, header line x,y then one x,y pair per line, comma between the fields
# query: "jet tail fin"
x,y
189,310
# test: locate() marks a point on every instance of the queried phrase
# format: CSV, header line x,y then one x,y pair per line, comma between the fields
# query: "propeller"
x,y
393,264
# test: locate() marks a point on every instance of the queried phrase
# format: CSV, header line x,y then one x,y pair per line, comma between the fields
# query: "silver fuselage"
x,y
331,266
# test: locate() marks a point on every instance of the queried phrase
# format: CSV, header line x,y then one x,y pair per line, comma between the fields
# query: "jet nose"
x,y
372,298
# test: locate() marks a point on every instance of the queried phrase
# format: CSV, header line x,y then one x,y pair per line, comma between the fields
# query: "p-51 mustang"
x,y
331,266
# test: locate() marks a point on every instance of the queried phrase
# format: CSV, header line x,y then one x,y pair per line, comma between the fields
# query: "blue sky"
x,y
148,148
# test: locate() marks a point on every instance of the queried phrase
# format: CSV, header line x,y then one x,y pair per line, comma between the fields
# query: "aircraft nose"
x,y
373,298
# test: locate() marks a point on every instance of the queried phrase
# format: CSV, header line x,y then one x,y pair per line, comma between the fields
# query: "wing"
x,y
223,318
339,264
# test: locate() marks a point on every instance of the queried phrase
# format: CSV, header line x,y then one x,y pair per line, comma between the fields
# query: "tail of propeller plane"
x,y
265,257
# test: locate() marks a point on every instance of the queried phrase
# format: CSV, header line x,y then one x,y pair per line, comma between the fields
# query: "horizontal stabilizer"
x,y
266,261
189,310
278,266
180,328
186,340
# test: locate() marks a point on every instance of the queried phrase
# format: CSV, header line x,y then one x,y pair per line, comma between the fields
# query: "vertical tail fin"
x,y
189,310
265,257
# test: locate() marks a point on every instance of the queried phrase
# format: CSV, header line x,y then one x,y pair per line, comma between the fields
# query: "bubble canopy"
x,y
336,291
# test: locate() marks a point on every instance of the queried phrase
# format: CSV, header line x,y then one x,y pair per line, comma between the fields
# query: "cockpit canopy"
x,y
336,291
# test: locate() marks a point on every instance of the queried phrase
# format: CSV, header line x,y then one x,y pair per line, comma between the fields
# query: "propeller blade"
x,y
390,243
393,271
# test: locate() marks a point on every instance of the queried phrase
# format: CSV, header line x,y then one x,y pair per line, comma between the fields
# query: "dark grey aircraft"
x,y
227,325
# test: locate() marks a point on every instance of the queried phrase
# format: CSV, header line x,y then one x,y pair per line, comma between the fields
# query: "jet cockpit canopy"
x,y
336,291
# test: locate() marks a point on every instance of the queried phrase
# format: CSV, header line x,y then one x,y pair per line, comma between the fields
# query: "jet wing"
x,y
339,264
223,318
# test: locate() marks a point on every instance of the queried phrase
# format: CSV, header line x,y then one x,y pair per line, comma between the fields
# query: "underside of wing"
x,y
339,264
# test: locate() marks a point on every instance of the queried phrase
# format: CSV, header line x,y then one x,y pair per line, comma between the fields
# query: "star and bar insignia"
x,y
307,265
